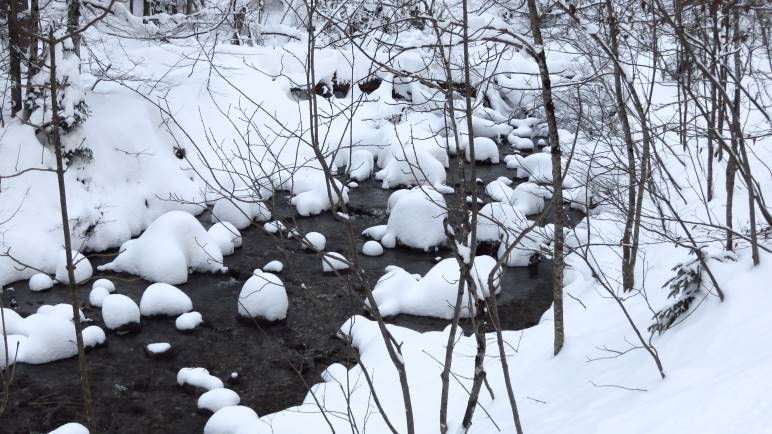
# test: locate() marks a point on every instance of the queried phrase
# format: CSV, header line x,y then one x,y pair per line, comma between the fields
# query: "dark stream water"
x,y
134,393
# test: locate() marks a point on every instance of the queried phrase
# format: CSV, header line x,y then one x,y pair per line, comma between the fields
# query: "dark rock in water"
x,y
258,321
132,327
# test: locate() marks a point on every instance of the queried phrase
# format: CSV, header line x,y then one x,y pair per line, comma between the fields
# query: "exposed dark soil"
x,y
136,394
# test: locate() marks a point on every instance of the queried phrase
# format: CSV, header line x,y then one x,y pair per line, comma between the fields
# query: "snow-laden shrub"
x,y
171,246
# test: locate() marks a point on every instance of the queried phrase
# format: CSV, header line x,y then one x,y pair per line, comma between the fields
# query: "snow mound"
x,y
240,213
158,347
164,299
93,336
274,267
70,428
40,282
434,294
97,296
119,312
274,227
413,168
188,321
263,296
314,241
61,310
104,283
372,248
316,200
198,377
227,237
415,220
485,149
229,420
528,198
520,143
83,269
334,261
216,399
171,246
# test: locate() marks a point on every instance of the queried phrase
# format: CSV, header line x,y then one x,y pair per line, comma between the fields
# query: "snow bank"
x,y
435,294
263,297
173,244
164,299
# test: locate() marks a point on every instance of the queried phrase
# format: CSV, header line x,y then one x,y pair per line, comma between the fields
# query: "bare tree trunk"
x,y
73,23
57,144
14,54
557,175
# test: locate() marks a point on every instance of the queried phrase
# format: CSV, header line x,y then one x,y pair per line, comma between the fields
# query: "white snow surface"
x,y
415,220
104,283
334,261
70,428
314,241
173,244
274,266
263,296
97,295
164,299
485,149
239,212
372,248
158,347
229,420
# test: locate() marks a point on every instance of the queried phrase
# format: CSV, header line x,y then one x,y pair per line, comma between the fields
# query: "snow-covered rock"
x,y
171,246
334,261
372,248
164,299
314,241
188,321
528,198
485,149
227,237
83,269
229,420
198,377
240,213
263,296
216,399
159,350
120,313
93,336
104,283
70,428
316,200
61,310
415,220
274,266
434,294
40,282
97,295
361,165
274,227
499,189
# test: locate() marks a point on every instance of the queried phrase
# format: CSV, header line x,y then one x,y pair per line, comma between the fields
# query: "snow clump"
x,y
263,296
97,296
164,299
198,377
274,267
372,248
415,220
414,168
230,420
485,149
70,428
104,283
314,241
316,200
171,246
